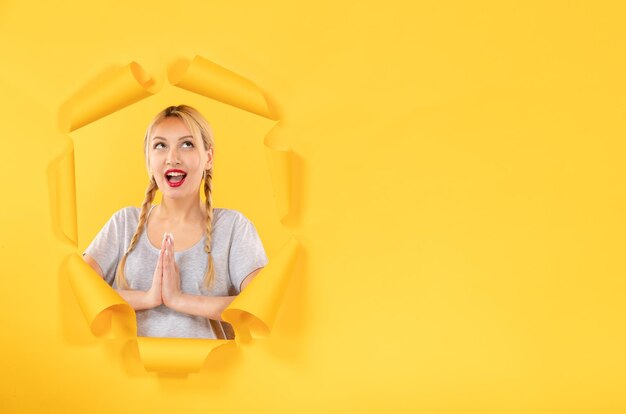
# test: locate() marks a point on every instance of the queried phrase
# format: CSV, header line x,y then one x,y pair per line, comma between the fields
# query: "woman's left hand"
x,y
171,275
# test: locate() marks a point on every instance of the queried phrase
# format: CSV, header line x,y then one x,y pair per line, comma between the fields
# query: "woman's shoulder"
x,y
228,216
128,214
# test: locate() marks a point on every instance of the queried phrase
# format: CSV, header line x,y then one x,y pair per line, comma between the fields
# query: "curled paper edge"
x,y
209,79
107,314
280,165
62,183
280,160
176,355
254,310
115,90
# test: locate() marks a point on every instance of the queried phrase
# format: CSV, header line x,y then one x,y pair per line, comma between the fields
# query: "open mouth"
x,y
175,178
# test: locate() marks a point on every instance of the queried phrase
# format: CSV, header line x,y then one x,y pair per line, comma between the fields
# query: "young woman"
x,y
180,263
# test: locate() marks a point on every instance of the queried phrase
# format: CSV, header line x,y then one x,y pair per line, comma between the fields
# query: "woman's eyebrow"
x,y
164,139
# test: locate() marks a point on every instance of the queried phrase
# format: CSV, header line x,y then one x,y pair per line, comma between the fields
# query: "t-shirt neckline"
x,y
158,249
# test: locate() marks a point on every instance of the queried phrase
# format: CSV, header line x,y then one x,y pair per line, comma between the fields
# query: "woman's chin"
x,y
178,193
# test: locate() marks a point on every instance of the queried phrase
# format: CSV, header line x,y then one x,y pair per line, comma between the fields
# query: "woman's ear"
x,y
209,162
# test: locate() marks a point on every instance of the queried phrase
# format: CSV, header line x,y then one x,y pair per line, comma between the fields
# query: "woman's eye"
x,y
187,144
158,145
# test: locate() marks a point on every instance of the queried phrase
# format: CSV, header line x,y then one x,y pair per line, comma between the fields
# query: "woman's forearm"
x,y
138,299
206,306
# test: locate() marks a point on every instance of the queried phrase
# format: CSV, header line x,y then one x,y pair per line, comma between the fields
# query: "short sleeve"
x,y
246,252
106,247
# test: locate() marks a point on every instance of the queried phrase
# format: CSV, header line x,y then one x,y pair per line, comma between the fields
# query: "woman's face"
x,y
176,160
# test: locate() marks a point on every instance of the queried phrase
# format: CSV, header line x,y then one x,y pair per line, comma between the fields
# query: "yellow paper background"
x,y
460,171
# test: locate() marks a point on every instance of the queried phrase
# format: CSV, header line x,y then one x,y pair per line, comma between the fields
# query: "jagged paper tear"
x,y
254,311
208,79
176,355
63,191
113,91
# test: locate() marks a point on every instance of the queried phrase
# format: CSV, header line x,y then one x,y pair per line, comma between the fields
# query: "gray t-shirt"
x,y
237,251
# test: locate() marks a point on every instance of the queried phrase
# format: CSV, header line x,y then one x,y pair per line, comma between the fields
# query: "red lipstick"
x,y
176,175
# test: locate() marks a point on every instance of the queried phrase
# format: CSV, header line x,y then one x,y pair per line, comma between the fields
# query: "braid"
x,y
210,273
120,277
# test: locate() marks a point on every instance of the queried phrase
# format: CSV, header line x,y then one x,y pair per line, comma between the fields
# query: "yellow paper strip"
x,y
175,355
120,88
254,311
63,195
206,78
107,314
280,162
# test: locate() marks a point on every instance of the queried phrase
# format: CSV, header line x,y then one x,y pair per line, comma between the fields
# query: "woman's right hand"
x,y
153,295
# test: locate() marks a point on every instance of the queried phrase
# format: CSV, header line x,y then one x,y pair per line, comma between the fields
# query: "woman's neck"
x,y
181,211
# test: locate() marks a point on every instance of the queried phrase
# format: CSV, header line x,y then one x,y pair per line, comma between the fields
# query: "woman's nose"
x,y
172,157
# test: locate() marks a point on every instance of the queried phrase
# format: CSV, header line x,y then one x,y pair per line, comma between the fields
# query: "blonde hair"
x,y
200,130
